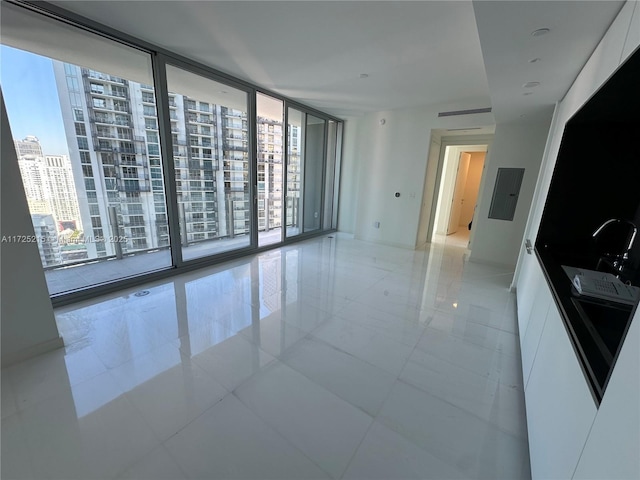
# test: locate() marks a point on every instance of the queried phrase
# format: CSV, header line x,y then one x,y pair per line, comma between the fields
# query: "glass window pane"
x,y
313,172
211,158
295,158
270,175
82,153
336,176
332,133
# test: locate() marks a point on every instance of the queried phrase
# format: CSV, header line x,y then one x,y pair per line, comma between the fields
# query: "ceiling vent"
x,y
463,129
464,112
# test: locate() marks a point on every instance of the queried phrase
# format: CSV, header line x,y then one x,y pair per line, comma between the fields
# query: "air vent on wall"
x,y
464,112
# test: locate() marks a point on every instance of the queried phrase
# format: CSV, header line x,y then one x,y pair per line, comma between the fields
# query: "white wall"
x,y
392,158
521,145
452,159
472,187
445,192
28,323
428,191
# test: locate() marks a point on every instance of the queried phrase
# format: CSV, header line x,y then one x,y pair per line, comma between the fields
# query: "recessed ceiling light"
x,y
527,93
531,84
364,75
541,31
535,60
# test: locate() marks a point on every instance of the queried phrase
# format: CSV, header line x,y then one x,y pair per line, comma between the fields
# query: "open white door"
x,y
458,193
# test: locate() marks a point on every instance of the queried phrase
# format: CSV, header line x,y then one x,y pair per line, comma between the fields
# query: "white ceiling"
x,y
505,28
416,53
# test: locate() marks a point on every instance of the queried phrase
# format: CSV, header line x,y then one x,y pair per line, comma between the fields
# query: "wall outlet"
x,y
376,224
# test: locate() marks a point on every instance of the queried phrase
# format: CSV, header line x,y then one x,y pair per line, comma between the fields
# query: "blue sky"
x,y
31,98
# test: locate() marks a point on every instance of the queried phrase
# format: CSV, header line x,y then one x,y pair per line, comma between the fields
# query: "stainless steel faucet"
x,y
620,259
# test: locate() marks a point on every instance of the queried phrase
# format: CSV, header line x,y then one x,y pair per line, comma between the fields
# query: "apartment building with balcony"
x,y
112,127
109,159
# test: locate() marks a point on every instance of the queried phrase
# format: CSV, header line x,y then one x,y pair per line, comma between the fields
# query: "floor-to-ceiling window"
x,y
209,128
83,116
313,173
90,115
295,171
330,175
270,164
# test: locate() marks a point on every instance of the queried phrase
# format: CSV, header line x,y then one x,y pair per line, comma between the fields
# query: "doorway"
x,y
458,193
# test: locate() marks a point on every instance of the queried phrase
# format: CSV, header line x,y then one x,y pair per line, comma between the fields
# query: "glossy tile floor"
x,y
331,358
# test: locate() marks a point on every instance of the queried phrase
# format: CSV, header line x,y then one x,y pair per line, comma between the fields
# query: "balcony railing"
x,y
138,176
130,151
106,121
133,188
114,136
235,148
116,94
104,77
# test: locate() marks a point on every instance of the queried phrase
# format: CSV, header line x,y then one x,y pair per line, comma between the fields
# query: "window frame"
x,y
160,58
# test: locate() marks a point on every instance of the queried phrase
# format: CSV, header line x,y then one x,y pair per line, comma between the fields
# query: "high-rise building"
x,y
31,164
48,184
112,131
111,161
58,177
28,147
35,189
47,237
270,175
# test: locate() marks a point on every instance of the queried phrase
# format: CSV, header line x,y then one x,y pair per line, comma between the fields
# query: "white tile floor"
x,y
331,358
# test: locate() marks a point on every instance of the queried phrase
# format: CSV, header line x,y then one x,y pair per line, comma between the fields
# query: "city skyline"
x,y
110,131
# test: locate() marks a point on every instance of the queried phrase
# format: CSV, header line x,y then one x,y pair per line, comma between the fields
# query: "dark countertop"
x,y
596,328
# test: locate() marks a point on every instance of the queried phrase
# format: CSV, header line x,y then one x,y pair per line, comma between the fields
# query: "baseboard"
x,y
388,244
9,359
346,235
506,266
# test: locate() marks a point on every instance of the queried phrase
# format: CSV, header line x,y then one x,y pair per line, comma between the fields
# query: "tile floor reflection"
x,y
330,358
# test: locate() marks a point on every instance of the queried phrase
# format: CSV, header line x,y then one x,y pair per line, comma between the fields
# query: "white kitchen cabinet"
x,y
530,337
560,408
526,291
612,450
